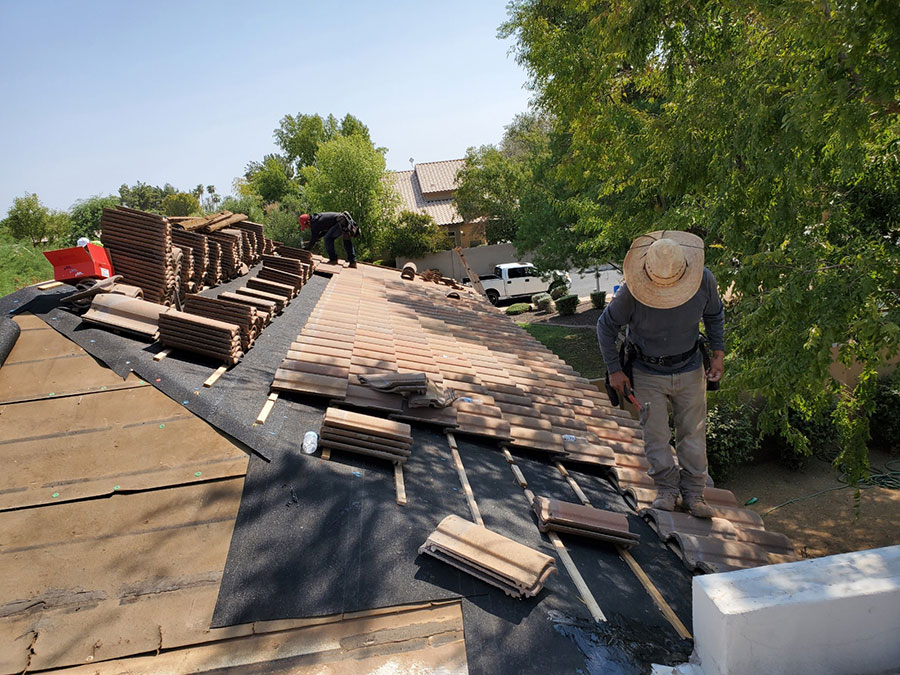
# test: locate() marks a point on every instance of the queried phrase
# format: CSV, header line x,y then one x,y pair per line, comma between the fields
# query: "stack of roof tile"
x,y
518,570
279,301
140,248
256,238
231,245
288,264
245,247
265,309
197,334
285,291
214,265
242,315
185,263
199,248
366,435
300,254
583,520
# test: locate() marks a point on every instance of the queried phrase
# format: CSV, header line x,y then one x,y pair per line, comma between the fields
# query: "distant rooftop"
x,y
429,189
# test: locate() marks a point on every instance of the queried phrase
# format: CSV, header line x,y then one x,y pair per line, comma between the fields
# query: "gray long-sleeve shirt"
x,y
663,332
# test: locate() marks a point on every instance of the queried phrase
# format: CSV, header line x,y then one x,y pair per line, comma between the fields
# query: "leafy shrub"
x,y
731,438
558,291
567,304
518,308
598,299
884,424
558,282
542,301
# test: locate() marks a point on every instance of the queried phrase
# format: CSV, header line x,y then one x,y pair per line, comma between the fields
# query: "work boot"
x,y
332,262
665,500
698,507
352,264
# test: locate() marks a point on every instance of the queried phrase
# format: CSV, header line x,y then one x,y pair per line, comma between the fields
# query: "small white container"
x,y
310,442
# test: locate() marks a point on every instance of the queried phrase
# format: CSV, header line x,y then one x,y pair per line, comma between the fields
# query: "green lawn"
x,y
576,346
21,265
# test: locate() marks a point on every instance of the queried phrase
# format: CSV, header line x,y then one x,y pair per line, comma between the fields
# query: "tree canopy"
x,y
28,219
85,215
414,235
513,188
145,197
769,129
299,136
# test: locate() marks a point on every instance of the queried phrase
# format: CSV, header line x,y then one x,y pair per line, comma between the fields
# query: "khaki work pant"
x,y
685,393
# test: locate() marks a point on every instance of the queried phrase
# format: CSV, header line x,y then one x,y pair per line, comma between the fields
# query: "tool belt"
x,y
666,361
629,352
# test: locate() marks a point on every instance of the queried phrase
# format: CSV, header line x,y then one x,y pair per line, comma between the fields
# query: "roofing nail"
x,y
158,380
55,495
162,426
197,473
186,402
115,487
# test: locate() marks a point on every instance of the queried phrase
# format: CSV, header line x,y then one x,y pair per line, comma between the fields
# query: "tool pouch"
x,y
627,354
704,351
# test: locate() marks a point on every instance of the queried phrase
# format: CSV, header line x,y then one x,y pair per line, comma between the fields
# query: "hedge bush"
x,y
731,438
543,301
558,291
518,308
884,424
567,304
598,299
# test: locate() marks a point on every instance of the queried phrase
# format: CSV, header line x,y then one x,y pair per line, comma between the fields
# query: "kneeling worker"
x,y
667,292
331,225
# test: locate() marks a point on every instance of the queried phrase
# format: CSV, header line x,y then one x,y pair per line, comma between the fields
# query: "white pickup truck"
x,y
513,280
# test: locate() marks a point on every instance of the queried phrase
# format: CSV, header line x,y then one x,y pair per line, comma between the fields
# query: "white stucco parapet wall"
x,y
839,614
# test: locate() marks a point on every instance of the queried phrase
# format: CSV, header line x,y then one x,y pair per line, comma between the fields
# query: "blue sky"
x,y
96,94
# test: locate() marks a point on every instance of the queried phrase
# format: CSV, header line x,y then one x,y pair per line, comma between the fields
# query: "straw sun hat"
x,y
663,269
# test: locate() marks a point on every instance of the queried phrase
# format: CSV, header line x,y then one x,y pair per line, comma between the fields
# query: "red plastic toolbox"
x,y
80,262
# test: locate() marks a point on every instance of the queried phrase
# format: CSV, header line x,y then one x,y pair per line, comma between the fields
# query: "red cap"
x,y
303,220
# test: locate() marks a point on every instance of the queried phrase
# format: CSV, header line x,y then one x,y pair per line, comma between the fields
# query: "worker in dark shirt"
x,y
667,292
331,225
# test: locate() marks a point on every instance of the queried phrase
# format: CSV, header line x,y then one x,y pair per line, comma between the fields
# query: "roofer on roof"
x,y
667,292
331,225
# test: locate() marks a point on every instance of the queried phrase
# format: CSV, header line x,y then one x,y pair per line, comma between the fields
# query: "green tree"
x,y
86,213
515,189
28,219
490,183
271,179
348,176
299,136
145,197
770,129
413,236
180,204
251,205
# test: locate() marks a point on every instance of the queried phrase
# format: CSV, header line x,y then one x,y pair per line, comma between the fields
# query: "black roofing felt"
x,y
314,538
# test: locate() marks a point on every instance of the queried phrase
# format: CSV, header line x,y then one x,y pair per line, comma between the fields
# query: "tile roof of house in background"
x,y
426,179
438,176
